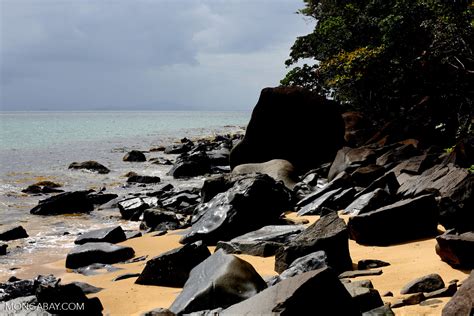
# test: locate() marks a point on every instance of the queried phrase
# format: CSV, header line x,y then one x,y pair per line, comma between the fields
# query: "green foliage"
x,y
386,56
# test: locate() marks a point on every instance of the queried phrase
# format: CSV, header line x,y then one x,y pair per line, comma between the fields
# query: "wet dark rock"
x,y
219,157
216,184
133,208
97,252
13,233
64,203
132,234
371,264
101,198
161,161
136,259
143,179
249,205
448,291
388,182
315,207
191,165
349,159
397,154
219,281
278,169
13,289
125,276
368,202
172,268
310,262
263,242
319,291
462,303
380,311
178,148
427,283
329,234
341,200
43,187
161,190
411,299
283,124
54,296
91,166
456,249
365,298
160,311
3,249
402,221
109,234
388,294
364,176
134,155
181,201
87,288
154,217
359,273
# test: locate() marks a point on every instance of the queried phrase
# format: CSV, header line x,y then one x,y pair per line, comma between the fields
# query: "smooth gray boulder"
x,y
97,252
109,234
219,281
427,283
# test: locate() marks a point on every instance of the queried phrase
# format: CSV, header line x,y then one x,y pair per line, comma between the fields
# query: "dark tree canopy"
x,y
386,57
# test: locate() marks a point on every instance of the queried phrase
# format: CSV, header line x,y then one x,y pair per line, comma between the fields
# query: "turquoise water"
x,y
33,130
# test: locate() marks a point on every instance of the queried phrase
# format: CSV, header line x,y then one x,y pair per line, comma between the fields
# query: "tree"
x,y
388,57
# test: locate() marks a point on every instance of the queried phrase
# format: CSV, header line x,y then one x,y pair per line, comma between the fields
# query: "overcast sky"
x,y
143,54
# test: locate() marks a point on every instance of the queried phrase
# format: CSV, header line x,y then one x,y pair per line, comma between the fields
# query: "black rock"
x,y
125,276
388,182
109,234
143,179
43,187
191,165
160,161
402,221
178,148
57,296
318,291
364,176
132,234
101,198
87,288
380,311
462,303
293,124
13,233
154,217
91,166
13,289
219,281
134,155
329,233
133,208
410,299
64,203
427,283
263,242
160,311
217,184
397,154
315,207
349,159
97,252
365,298
371,264
456,249
310,262
3,249
368,202
448,291
359,273
172,268
249,205
180,201
219,157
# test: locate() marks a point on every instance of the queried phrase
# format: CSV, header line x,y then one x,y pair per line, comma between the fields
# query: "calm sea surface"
x,y
37,146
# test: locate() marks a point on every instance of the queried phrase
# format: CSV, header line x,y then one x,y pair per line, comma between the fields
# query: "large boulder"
x,y
219,281
329,234
293,124
263,242
132,209
90,165
108,234
97,252
134,155
250,204
462,302
404,220
191,165
456,249
317,292
12,233
278,169
64,203
427,283
172,268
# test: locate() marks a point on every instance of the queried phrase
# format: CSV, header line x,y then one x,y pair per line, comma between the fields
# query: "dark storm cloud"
x,y
129,54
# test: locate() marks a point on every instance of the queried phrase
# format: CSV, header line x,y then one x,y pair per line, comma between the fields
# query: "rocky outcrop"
x,y
13,233
97,252
278,169
316,292
462,302
349,159
456,249
172,268
402,221
292,124
109,234
90,165
249,205
329,234
134,155
219,281
64,203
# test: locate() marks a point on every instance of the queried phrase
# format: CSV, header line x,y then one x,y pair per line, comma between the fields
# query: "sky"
x,y
143,54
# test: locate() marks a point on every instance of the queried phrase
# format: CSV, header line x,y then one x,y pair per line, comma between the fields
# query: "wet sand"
x,y
408,261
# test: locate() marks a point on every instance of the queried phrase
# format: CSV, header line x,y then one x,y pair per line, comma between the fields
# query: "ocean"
x,y
37,146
